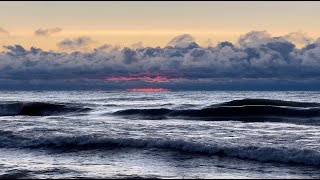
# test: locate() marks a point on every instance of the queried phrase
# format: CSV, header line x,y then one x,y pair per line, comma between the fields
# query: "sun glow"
x,y
142,78
145,76
148,89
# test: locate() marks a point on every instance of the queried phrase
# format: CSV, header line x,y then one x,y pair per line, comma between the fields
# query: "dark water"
x,y
98,134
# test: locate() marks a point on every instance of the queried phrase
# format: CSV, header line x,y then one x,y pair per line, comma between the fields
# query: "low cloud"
x,y
256,58
47,32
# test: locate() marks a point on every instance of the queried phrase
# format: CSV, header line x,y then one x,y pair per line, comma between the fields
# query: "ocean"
x,y
167,134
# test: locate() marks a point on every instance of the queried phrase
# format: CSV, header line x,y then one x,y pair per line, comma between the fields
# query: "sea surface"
x,y
170,134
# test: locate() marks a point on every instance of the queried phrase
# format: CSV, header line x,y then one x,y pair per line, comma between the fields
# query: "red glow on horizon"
x,y
147,76
142,78
148,89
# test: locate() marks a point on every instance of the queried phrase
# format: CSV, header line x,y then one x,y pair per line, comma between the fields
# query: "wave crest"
x,y
271,102
38,108
251,110
263,154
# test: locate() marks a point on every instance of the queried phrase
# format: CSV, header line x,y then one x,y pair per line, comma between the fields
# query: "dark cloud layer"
x,y
257,61
47,32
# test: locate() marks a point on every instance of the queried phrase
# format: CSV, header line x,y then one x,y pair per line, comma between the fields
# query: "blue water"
x,y
186,134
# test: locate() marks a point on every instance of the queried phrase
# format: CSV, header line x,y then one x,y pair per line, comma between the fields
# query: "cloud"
x,y
254,38
105,47
80,43
3,31
137,45
299,38
181,40
47,32
257,59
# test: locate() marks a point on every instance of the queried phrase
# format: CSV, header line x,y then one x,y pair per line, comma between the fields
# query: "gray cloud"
x,y
181,40
257,56
137,45
80,43
299,38
254,38
47,32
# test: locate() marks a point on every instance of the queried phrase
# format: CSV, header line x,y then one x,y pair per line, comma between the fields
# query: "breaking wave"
x,y
251,110
37,108
16,174
263,154
271,102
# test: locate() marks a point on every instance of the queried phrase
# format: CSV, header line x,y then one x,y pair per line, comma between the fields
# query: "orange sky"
x,y
152,23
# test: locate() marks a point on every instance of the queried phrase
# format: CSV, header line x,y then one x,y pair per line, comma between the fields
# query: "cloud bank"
x,y
257,61
47,32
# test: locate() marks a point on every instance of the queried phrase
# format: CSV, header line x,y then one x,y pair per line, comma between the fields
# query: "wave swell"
x,y
263,154
38,108
245,110
271,102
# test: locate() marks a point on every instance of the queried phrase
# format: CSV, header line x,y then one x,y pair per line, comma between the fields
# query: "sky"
x,y
153,23
175,45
